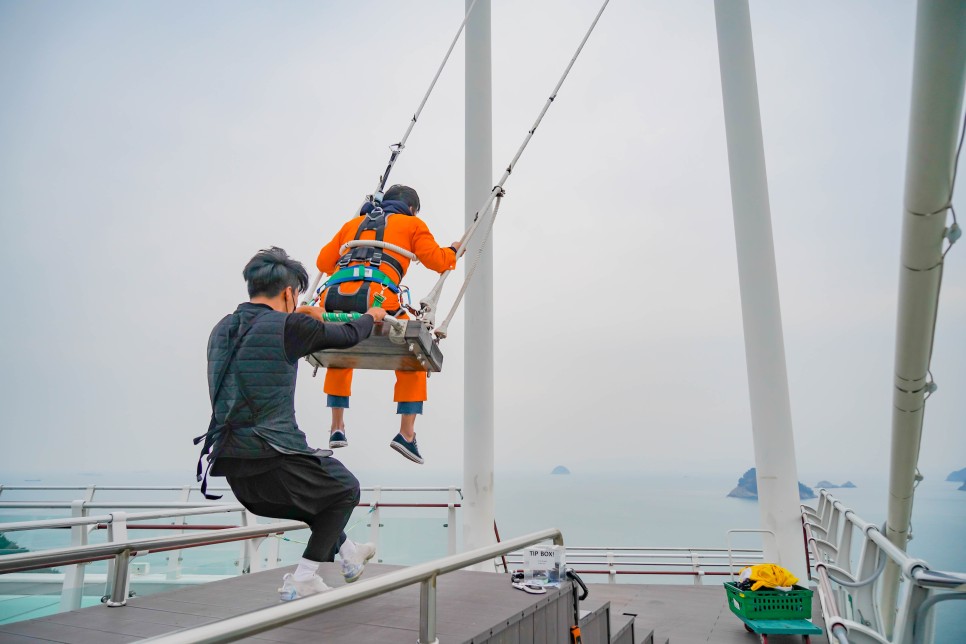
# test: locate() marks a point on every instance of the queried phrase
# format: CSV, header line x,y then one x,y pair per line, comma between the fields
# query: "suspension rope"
x,y
441,331
431,301
397,148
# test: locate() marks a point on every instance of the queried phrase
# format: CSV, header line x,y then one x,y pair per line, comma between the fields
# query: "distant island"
x,y
962,488
959,475
8,547
748,488
831,486
560,469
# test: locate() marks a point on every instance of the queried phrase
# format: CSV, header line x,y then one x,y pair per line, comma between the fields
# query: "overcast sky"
x,y
148,149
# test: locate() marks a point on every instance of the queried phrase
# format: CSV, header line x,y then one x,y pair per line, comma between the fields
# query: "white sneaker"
x,y
292,589
353,568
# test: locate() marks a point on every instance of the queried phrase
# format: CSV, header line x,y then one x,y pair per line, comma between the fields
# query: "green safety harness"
x,y
367,270
339,316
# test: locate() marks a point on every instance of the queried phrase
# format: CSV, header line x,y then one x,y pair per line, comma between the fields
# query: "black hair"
x,y
271,271
403,193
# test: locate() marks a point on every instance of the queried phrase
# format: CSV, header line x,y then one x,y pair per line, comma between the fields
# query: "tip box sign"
x,y
543,565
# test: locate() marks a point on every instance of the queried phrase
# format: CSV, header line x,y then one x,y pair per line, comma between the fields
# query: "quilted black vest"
x,y
255,407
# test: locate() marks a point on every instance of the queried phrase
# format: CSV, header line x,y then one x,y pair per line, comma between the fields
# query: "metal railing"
x,y
118,523
697,563
234,628
374,502
849,591
122,550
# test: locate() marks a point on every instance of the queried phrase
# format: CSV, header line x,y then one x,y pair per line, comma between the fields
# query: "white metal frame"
x,y
632,561
850,589
939,76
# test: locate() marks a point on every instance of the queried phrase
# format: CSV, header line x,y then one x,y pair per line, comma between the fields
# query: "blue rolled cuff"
x,y
339,402
409,407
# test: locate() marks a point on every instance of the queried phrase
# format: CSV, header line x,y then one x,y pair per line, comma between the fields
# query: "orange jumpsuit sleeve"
x,y
328,259
432,256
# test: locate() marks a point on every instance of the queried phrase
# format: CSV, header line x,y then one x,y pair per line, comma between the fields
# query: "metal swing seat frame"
x,y
394,345
413,345
401,345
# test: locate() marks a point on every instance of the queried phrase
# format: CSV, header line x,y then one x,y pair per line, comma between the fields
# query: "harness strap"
x,y
375,221
393,262
361,274
356,302
214,432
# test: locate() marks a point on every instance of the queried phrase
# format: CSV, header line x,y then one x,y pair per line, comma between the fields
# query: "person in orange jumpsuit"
x,y
397,224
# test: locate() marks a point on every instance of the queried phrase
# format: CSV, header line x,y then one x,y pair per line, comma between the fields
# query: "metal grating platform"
x,y
416,350
473,608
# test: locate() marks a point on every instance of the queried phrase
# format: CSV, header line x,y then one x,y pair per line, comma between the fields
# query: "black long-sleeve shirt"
x,y
304,335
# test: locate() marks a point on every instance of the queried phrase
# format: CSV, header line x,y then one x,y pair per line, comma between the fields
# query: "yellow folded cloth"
x,y
769,576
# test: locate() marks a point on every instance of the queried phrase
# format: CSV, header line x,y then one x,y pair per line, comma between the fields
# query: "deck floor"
x,y
688,614
468,603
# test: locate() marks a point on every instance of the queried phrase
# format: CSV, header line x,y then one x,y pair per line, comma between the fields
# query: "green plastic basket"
x,y
769,604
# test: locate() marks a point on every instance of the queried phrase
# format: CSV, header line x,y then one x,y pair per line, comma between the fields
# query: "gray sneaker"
x,y
292,589
353,568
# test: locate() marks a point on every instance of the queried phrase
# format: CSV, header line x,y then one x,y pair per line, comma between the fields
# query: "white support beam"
x,y
478,506
771,419
939,73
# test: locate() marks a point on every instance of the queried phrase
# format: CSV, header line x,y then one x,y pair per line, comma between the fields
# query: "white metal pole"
x,y
771,420
478,509
939,73
72,593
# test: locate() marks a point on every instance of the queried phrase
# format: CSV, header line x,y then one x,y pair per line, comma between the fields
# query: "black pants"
x,y
319,491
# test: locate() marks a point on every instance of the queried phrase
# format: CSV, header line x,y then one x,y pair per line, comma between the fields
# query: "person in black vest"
x,y
253,439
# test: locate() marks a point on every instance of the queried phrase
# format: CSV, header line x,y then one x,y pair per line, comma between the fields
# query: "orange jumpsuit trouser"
x,y
410,385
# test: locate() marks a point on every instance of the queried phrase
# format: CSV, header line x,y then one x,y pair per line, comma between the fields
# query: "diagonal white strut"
x,y
939,73
771,419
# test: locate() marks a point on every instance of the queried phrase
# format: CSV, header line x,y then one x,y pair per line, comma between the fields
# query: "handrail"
x,y
683,552
42,524
233,628
655,549
860,609
193,488
82,554
830,612
697,563
114,516
189,509
61,505
64,505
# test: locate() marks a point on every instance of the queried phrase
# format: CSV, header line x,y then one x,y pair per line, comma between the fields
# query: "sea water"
x,y
592,509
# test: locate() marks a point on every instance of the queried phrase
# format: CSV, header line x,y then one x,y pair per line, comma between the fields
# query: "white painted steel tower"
x,y
478,512
771,419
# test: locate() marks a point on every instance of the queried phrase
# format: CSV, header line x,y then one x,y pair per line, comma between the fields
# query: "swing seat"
x,y
386,350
